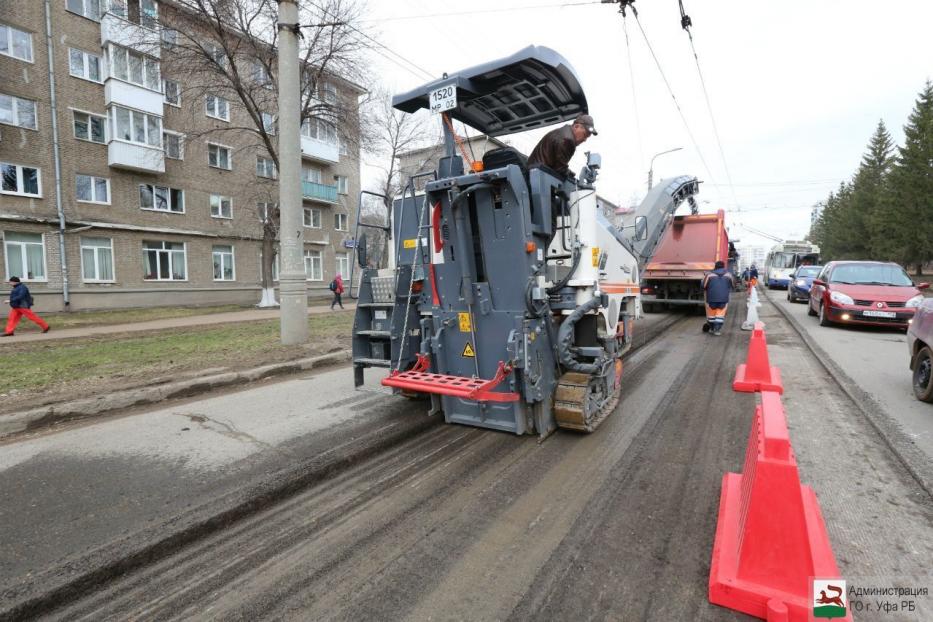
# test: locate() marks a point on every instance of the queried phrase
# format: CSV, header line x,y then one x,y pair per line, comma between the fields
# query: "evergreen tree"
x,y
870,195
911,187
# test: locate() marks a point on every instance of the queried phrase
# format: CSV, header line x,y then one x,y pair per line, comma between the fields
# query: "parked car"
x,y
801,281
864,292
920,343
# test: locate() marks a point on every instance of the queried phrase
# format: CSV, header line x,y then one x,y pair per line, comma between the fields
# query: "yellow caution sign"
x,y
595,256
410,243
464,321
468,351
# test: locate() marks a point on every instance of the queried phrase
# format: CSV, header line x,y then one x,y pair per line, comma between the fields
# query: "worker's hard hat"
x,y
586,121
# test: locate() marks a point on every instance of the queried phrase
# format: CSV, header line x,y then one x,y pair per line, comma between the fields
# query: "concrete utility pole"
x,y
651,166
292,280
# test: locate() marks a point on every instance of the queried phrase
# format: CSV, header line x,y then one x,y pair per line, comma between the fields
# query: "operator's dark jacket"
x,y
19,297
554,151
718,287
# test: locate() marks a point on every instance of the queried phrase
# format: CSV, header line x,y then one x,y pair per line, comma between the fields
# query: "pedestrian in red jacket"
x,y
20,302
336,286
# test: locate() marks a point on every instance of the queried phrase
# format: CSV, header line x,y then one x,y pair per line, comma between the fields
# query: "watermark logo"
x,y
829,598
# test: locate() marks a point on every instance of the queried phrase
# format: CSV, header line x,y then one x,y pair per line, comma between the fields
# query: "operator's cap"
x,y
586,121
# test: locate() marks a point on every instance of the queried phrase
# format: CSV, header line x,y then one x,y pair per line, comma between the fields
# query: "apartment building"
x,y
117,189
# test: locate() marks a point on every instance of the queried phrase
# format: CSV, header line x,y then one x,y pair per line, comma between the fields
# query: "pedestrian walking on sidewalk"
x,y
718,286
336,286
752,278
20,302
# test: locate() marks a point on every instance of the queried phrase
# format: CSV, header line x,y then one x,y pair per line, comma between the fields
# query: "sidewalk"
x,y
249,315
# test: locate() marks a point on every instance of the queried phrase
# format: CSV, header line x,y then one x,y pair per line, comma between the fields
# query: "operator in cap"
x,y
557,147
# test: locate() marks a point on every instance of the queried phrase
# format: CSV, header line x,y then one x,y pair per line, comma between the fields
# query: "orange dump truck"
x,y
690,247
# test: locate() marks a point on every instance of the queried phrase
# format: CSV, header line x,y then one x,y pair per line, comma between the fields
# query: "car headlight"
x,y
915,301
801,282
840,298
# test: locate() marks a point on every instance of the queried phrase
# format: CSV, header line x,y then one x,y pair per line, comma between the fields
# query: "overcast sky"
x,y
797,87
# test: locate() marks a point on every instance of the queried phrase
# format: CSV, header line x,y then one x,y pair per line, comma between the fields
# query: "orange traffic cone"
x,y
756,373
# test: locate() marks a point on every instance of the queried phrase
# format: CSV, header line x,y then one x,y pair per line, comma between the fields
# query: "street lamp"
x,y
651,166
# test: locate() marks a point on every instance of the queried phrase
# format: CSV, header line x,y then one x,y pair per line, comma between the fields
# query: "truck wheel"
x,y
923,375
824,318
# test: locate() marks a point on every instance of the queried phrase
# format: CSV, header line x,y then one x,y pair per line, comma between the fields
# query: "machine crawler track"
x,y
581,401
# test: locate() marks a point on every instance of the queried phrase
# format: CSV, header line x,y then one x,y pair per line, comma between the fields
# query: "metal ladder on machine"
x,y
378,300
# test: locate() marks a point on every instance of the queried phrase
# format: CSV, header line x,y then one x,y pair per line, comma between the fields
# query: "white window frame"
x,y
9,39
19,181
229,149
167,191
93,179
344,258
84,4
217,53
165,98
343,184
97,248
265,168
25,275
16,104
220,206
327,92
171,252
147,120
181,144
213,111
89,115
312,212
268,122
316,258
120,8
85,66
232,255
316,176
338,217
169,37
150,67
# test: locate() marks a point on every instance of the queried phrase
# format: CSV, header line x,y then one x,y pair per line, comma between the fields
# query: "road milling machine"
x,y
508,298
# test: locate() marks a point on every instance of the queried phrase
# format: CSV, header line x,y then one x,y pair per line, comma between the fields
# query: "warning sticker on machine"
x,y
410,243
464,320
468,351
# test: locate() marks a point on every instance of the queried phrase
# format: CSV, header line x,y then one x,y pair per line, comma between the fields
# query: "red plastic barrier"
x,y
756,373
771,541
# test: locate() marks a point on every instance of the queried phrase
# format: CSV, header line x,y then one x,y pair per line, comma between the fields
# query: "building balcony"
x,y
319,192
119,31
135,157
320,151
132,96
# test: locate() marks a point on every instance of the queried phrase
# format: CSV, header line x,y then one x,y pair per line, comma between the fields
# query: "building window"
x,y
86,8
17,111
217,107
90,127
217,54
260,74
174,145
265,167
15,43
328,93
343,264
221,207
169,37
171,92
135,68
90,189
342,147
340,222
218,156
343,184
266,211
312,217
314,268
309,173
164,261
142,12
84,65
21,180
25,255
97,259
223,263
268,123
161,198
319,130
137,127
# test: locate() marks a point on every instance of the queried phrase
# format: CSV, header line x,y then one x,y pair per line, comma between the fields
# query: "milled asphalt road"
x,y
440,521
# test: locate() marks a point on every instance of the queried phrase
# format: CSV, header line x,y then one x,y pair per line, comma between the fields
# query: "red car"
x,y
865,292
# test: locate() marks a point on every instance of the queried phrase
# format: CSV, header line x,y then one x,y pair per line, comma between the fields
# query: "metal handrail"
x,y
356,233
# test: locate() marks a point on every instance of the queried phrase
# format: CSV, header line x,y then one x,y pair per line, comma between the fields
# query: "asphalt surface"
x,y
392,515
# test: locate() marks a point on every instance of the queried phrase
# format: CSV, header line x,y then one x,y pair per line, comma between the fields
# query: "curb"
x,y
890,431
28,420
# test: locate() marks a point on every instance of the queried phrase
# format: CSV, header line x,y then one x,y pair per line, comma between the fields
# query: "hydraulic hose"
x,y
565,338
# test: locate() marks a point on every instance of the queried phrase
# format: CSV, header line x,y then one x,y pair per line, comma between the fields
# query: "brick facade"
x,y
122,220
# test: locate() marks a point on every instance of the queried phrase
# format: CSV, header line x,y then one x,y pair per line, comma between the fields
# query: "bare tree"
x,y
227,49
